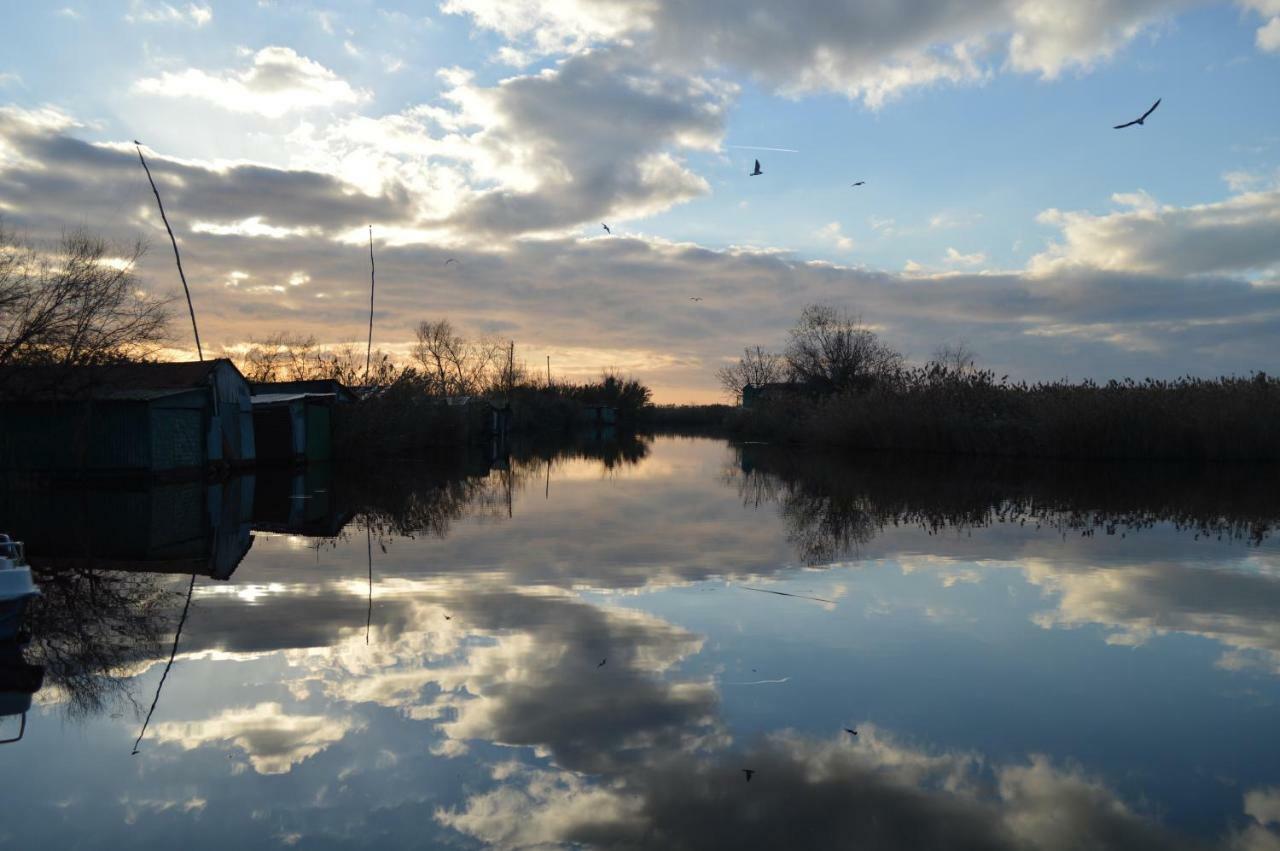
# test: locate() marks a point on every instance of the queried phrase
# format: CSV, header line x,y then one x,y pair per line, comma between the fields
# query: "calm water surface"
x,y
577,649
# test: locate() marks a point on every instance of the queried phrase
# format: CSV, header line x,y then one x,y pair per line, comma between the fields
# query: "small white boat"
x,y
16,586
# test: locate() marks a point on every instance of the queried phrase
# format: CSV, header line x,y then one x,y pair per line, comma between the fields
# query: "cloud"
x,y
597,136
955,258
831,232
192,14
1240,234
278,81
273,740
1269,35
873,52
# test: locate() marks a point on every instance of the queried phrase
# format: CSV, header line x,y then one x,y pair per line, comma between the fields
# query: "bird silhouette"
x,y
851,732
448,617
1141,120
860,183
136,142
757,171
606,228
384,546
694,298
602,661
450,260
748,772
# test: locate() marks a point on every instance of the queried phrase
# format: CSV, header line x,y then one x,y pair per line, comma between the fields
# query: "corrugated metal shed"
x,y
153,418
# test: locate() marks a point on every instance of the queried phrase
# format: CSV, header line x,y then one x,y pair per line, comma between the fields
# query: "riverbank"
x,y
1225,419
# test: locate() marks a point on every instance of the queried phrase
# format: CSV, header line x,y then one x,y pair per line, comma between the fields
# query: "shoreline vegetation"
x,y
836,383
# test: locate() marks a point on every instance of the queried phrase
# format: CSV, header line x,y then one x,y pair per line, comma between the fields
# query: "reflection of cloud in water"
x,y
877,793
1238,608
528,673
274,740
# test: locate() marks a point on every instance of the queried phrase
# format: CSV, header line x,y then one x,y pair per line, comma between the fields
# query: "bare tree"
x,y
453,365
956,357
756,367
831,351
282,357
77,304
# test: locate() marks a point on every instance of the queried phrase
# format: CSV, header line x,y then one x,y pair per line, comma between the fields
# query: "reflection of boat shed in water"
x,y
125,419
136,525
293,420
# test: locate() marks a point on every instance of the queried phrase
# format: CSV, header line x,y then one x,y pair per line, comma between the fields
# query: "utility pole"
x,y
548,372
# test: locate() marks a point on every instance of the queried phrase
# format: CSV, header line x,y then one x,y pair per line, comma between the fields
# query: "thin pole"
x,y
172,654
368,352
548,370
176,256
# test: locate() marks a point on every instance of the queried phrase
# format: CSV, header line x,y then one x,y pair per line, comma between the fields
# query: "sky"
x,y
1000,207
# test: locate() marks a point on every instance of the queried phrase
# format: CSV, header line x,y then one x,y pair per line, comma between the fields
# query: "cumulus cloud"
x,y
864,50
274,740
834,234
278,81
1240,234
956,258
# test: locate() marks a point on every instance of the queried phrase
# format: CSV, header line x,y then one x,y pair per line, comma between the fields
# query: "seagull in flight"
x,y
1141,120
851,732
860,183
695,298
757,171
602,661
606,228
450,260
748,772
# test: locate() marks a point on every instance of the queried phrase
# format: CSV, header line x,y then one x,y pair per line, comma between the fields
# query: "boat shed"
x,y
292,428
125,419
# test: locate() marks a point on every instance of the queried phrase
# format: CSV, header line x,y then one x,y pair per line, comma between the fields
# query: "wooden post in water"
x,y
368,352
176,256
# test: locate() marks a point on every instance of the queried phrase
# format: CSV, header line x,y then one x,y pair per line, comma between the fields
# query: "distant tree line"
x,y
837,383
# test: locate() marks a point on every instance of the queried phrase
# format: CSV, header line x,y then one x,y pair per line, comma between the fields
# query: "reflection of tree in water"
x,y
833,504
90,628
428,495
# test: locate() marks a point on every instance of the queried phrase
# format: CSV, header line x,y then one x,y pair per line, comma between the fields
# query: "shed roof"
x,y
113,381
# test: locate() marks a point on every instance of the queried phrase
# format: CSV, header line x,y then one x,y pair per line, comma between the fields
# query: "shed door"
x,y
319,436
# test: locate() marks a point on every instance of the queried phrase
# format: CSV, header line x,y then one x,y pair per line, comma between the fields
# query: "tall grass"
x,y
964,411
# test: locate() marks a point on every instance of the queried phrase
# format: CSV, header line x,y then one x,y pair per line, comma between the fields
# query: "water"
x,y
579,652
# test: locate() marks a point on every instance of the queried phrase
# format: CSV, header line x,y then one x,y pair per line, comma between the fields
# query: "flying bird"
x,y
602,661
136,142
606,228
851,732
1141,120
450,260
448,617
757,171
860,183
695,298
748,772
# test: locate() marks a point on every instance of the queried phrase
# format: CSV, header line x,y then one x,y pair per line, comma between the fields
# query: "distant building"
x,y
125,419
753,394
